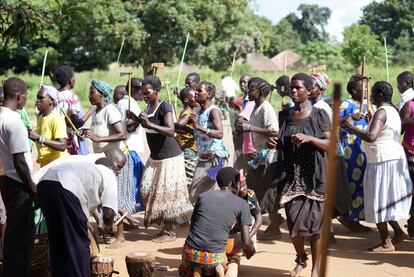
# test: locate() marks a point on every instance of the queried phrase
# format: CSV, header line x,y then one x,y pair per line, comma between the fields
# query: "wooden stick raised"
x,y
330,180
361,105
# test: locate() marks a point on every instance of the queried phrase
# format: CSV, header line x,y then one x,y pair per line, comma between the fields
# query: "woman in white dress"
x,y
387,183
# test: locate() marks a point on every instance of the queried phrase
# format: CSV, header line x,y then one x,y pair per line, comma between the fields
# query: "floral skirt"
x,y
164,192
204,260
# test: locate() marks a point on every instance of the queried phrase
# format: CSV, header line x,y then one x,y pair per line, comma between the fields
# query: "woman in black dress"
x,y
303,140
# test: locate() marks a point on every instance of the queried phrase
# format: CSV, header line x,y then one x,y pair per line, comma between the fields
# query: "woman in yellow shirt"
x,y
50,135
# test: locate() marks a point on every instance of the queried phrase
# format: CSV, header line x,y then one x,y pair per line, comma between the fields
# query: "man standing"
x,y
17,187
68,193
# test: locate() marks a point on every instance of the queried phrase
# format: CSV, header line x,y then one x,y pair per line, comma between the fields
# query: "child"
x,y
185,136
50,135
70,104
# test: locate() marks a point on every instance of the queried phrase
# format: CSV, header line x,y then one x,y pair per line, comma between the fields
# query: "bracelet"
x,y
248,127
41,139
208,131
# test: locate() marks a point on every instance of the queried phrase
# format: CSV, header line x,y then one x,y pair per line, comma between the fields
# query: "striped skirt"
x,y
190,161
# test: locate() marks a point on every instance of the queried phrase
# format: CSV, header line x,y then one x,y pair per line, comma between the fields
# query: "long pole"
x,y
361,105
232,65
120,50
386,59
330,180
284,63
43,68
129,91
181,68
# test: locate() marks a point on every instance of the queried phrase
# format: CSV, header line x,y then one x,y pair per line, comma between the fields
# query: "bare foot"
x,y
399,238
270,234
315,273
386,246
300,264
297,270
117,244
164,238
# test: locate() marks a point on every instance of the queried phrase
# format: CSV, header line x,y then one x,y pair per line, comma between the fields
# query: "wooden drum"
x,y
140,264
102,267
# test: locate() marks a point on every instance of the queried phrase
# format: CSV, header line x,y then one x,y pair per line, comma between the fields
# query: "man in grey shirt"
x,y
215,214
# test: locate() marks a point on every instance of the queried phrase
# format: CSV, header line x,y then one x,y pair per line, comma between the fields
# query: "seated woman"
x,y
50,135
215,213
386,180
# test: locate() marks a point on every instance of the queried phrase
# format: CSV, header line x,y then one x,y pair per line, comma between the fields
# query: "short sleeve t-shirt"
x,y
263,116
51,127
101,125
215,214
135,140
13,140
161,147
92,184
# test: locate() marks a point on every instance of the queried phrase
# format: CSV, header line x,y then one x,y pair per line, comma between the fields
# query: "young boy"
x,y
215,213
50,135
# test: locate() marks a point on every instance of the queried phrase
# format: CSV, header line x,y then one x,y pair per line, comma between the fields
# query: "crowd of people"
x,y
279,161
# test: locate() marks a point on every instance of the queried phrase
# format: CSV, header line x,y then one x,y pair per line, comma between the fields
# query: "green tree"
x,y
311,24
393,19
359,41
317,53
217,29
282,37
389,18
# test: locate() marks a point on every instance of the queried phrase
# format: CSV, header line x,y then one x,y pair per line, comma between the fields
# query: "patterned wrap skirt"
x,y
204,260
164,192
128,180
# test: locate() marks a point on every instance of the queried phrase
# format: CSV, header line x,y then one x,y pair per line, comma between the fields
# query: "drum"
x,y
102,267
140,264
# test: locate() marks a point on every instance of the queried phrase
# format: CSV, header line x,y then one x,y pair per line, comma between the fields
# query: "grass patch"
x,y
83,80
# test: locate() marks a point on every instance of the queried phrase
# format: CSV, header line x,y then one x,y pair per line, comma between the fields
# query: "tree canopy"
x,y
359,41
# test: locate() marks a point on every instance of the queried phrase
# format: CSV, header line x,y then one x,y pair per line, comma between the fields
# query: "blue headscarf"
x,y
103,88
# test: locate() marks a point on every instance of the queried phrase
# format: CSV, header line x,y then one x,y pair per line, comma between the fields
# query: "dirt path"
x,y
348,257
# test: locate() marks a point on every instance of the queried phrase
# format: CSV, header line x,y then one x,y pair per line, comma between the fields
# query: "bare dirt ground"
x,y
348,257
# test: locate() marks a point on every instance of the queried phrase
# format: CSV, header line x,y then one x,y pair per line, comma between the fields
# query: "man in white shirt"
x,y
17,187
405,86
68,193
229,88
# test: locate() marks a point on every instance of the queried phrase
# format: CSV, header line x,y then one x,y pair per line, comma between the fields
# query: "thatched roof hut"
x,y
259,62
292,60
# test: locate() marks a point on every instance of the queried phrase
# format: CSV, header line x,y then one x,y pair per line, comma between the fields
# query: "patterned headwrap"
x,y
321,79
104,88
52,92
